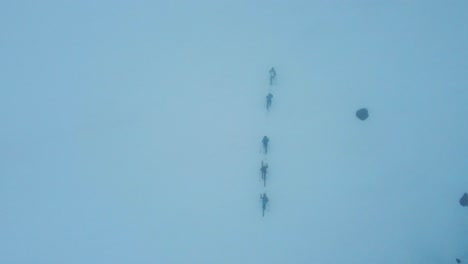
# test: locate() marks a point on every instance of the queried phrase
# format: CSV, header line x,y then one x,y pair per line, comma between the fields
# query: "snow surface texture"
x,y
131,131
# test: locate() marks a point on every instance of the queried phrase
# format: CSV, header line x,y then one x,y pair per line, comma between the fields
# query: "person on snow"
x,y
265,141
265,200
272,75
268,99
263,169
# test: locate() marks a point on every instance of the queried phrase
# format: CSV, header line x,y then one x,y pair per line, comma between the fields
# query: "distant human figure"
x,y
464,200
265,141
268,99
272,75
265,200
263,169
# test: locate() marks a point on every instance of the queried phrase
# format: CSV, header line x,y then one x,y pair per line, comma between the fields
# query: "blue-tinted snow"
x,y
131,131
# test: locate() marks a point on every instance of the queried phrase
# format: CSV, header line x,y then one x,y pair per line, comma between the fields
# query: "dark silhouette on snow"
x,y
272,75
265,141
458,261
464,200
265,200
268,99
362,114
263,169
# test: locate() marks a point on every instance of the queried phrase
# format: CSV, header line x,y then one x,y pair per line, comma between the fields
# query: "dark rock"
x,y
458,261
362,114
464,200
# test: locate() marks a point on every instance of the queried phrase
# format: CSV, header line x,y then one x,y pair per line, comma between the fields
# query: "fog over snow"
x,y
131,131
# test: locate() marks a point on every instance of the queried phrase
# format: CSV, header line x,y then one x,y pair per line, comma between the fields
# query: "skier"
x,y
268,98
265,143
264,199
272,75
263,169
